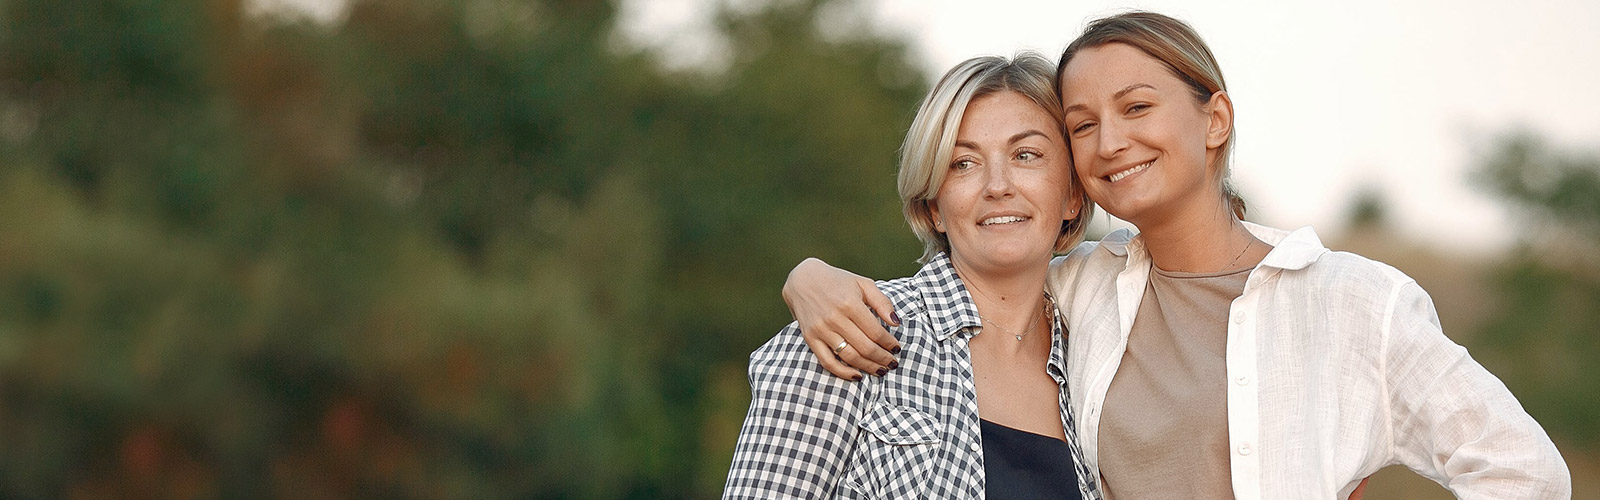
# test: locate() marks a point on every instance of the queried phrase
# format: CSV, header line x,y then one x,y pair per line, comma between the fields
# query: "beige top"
x,y
1164,430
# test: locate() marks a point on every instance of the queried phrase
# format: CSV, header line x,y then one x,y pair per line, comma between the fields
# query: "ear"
x,y
933,213
1073,209
1220,109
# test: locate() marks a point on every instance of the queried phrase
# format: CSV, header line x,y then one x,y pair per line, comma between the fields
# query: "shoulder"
x,y
1112,248
1348,272
905,293
785,367
901,289
1089,259
1355,290
781,350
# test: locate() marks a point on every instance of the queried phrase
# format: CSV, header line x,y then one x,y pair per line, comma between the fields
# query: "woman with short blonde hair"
x,y
932,137
976,405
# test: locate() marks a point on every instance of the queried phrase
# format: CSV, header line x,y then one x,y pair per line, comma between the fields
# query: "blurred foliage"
x,y
481,248
1542,341
1368,209
472,249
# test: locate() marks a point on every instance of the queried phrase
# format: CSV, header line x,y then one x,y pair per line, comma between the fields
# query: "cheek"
x,y
1080,154
1191,131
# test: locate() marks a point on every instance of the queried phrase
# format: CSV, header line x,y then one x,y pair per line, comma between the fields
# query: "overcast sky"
x,y
1329,96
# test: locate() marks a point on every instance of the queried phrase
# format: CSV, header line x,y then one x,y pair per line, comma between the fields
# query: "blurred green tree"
x,y
471,249
1542,340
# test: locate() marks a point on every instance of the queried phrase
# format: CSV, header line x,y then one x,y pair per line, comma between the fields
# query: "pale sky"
x,y
1328,96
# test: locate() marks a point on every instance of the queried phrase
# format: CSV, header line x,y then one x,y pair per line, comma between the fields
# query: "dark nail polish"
x,y
856,378
895,316
894,364
894,350
882,371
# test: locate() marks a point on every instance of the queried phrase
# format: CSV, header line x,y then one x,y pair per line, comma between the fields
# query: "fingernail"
x,y
882,371
895,316
894,364
894,350
856,378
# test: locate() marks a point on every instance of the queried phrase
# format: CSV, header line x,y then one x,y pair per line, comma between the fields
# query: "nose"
x,y
1112,139
998,182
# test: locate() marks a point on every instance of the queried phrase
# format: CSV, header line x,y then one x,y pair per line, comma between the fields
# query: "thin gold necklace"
x,y
1031,322
1241,254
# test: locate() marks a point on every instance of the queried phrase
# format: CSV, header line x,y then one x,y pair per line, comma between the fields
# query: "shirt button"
x,y
1244,449
1238,318
1243,380
975,446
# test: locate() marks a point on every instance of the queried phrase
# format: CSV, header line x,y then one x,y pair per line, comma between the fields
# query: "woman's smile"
x,y
1121,174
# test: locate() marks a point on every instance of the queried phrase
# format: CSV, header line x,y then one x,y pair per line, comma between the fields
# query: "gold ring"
x,y
840,348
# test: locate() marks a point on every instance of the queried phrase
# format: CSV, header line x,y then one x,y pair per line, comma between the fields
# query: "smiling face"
x,y
1008,186
1143,146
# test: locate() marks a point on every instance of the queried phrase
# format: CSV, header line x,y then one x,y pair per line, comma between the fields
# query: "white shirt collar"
x,y
1291,250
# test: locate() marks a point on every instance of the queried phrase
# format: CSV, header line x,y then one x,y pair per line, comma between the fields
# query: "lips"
x,y
1130,171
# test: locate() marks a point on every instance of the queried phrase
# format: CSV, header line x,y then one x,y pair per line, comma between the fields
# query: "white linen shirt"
x,y
1337,367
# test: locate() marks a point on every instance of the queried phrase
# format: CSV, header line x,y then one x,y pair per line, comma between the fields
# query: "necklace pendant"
x,y
1019,338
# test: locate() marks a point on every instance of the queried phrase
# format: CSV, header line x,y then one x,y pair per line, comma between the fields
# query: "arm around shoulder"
x,y
1453,421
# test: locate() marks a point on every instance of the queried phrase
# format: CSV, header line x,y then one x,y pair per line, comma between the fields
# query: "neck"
x,y
1205,240
1001,291
1011,300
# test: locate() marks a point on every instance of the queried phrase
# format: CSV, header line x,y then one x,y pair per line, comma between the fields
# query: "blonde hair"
x,y
930,142
1180,48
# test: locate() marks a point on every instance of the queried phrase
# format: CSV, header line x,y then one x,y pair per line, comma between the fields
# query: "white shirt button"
x,y
1244,449
1243,380
1238,318
975,446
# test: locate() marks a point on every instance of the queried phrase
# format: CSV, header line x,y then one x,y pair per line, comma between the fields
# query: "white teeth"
x,y
1119,175
1006,219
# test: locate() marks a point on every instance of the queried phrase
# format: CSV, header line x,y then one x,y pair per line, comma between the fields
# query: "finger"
x,y
885,310
850,355
829,362
879,302
863,333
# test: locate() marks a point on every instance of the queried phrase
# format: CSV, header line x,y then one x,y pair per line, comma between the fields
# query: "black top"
x,y
1021,465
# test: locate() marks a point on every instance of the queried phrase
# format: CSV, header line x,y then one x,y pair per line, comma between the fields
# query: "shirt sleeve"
x,y
802,425
1454,422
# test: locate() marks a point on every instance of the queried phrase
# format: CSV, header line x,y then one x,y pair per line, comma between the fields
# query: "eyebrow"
x,y
1131,88
1013,140
1115,96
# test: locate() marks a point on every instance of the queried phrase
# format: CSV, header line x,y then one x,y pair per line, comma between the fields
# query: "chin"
x,y
1012,258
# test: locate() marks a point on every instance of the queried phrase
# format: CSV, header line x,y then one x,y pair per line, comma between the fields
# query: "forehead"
x,y
1005,111
1097,72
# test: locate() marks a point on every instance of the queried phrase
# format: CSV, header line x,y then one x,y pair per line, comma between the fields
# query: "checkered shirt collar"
x,y
950,308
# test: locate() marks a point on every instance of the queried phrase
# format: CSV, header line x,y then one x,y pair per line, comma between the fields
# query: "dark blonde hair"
x,y
1177,46
930,143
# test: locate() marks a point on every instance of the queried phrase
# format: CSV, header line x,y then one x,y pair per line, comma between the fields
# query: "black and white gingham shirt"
x,y
913,433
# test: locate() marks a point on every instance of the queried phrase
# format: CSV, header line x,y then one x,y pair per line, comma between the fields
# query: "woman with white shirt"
x,y
1213,358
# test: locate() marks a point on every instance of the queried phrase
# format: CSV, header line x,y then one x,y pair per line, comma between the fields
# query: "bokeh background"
x,y
500,249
